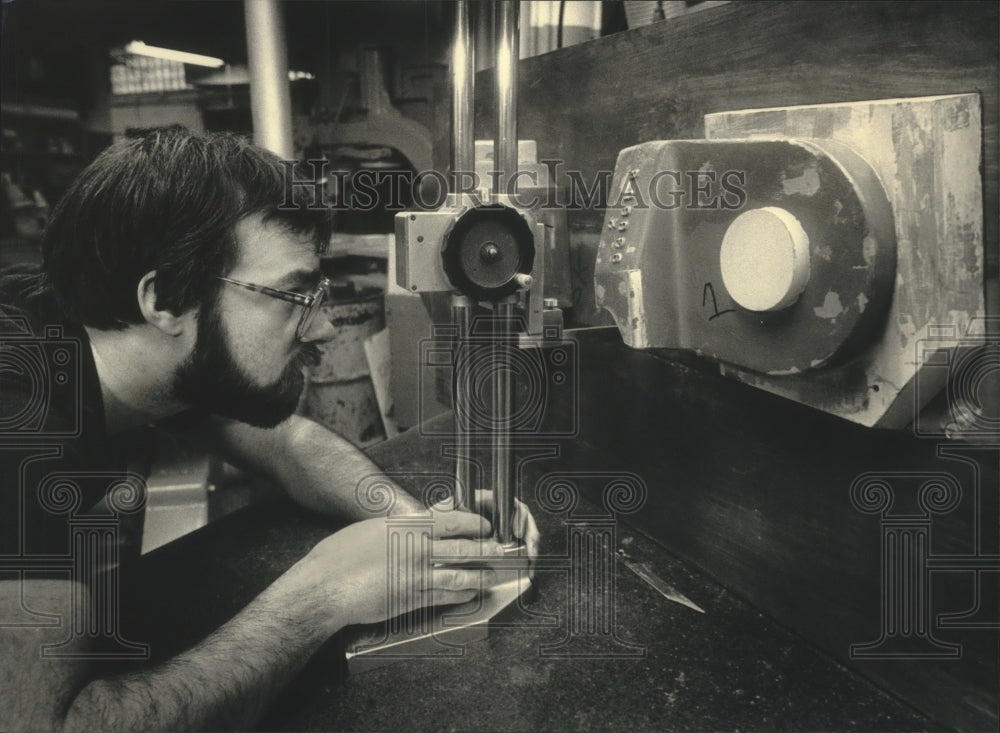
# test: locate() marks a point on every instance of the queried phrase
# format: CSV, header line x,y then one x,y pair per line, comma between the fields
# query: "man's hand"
x,y
369,572
524,527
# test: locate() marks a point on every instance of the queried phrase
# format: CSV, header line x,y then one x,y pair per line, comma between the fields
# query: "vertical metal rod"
x,y
463,150
503,478
267,59
485,43
461,316
508,51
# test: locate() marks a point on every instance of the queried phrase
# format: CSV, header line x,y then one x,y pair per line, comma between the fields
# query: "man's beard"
x,y
212,381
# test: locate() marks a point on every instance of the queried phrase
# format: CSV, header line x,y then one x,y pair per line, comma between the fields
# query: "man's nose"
x,y
319,330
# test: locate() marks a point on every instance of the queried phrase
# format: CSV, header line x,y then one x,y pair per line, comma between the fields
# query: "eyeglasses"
x,y
310,303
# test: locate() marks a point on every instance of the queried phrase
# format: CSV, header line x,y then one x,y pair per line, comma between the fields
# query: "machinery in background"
x,y
831,254
380,139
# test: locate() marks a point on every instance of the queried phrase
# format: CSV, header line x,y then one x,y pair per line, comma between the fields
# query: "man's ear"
x,y
170,323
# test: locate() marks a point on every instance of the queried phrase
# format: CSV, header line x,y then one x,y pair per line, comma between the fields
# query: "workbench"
x,y
665,667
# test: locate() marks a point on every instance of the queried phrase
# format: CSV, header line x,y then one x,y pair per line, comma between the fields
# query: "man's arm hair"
x,y
350,577
222,683
319,469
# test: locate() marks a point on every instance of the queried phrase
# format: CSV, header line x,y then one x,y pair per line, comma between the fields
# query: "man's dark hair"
x,y
166,201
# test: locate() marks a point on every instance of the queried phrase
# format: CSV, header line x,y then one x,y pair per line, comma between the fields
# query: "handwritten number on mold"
x,y
707,291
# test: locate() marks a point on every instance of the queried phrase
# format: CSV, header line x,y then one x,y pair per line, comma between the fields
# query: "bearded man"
x,y
177,290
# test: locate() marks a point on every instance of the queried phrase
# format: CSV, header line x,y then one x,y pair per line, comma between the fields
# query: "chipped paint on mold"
x,y
805,185
637,315
831,308
869,248
785,372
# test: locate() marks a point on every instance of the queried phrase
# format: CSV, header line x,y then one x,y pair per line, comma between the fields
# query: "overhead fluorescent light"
x,y
195,59
296,75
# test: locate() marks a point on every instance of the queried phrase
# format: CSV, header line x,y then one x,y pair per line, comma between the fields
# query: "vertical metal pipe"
x,y
267,58
461,316
508,51
463,142
374,97
503,478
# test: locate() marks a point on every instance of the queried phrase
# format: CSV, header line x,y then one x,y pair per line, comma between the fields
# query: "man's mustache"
x,y
309,356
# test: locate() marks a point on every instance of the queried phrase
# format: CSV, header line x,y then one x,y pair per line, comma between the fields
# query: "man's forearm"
x,y
325,473
225,681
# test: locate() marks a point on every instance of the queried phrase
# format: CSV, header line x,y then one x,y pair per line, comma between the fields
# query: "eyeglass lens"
x,y
309,314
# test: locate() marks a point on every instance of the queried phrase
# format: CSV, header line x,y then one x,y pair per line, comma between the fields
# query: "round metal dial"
x,y
486,248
